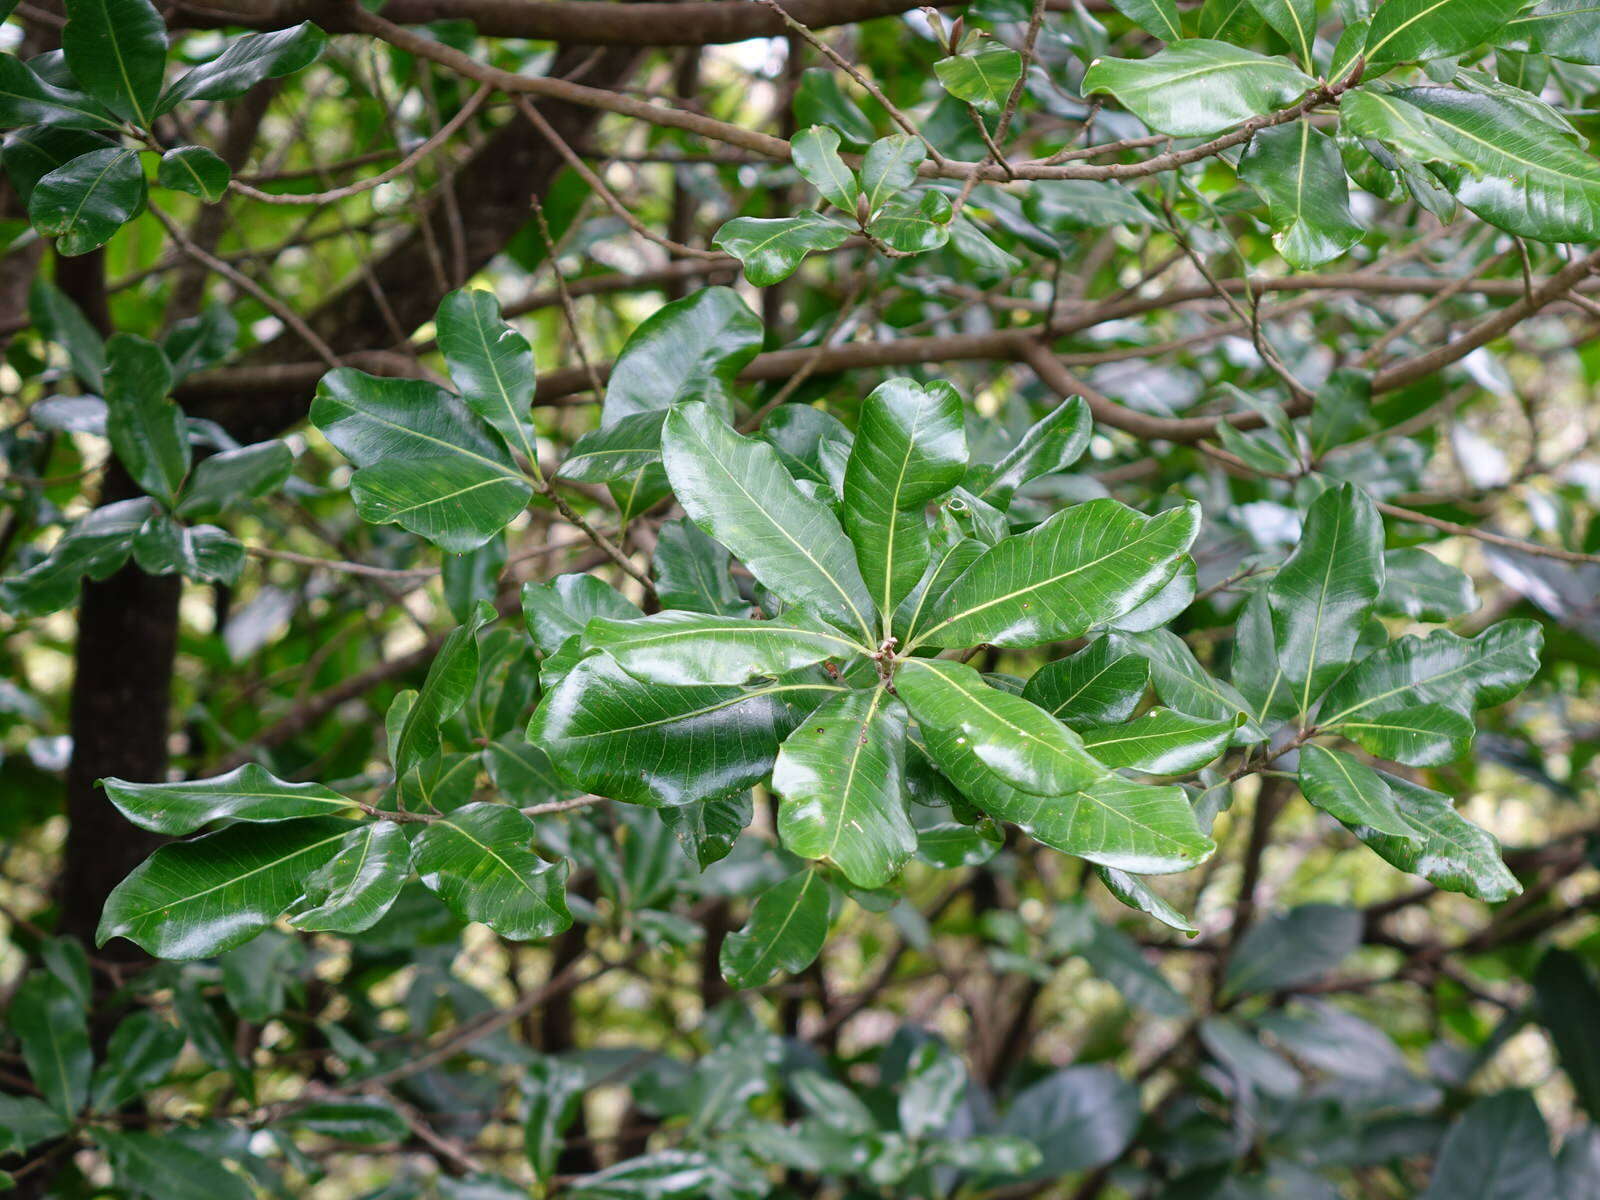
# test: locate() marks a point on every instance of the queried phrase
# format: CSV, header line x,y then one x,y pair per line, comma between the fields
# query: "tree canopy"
x,y
799,598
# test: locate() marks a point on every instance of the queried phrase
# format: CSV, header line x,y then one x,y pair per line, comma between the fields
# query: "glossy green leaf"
x,y
816,156
692,571
1424,735
84,202
248,793
839,774
490,363
820,100
1295,21
201,897
95,546
1566,29
354,889
1291,948
914,223
935,1083
1510,168
1162,742
1102,684
1139,895
26,99
684,649
559,608
1181,682
554,1093
1414,30
735,489
479,861
117,50
1298,172
1441,668
163,546
1052,444
63,322
616,451
196,171
651,744
1565,1001
53,1029
1452,854
146,428
426,462
691,349
910,449
359,1121
25,1121
1323,594
889,167
140,1055
1015,739
1351,792
984,77
1198,87
246,62
225,479
787,926
1417,584
443,692
1158,18
1085,566
158,1166
772,248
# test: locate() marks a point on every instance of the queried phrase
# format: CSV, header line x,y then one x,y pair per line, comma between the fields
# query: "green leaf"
x,y
772,248
1351,792
479,862
1138,895
1453,854
1085,566
1052,444
910,449
450,680
145,427
692,571
736,490
820,100
684,649
1017,740
249,793
160,1167
1422,736
199,898
787,926
53,1029
650,744
354,889
1080,1118
1295,21
1162,742
1565,1001
224,479
706,830
1181,682
1459,673
691,349
1322,596
935,1083
991,1154
1566,29
117,50
1298,172
96,546
557,609
25,99
1112,821
816,156
615,451
1507,166
1291,948
1419,586
1102,684
426,462
84,202
25,1121
1499,1149
361,1121
914,223
196,171
139,1056
1198,87
839,774
984,78
490,363
889,167
200,552
554,1093
1414,30
246,62
63,322
1158,18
